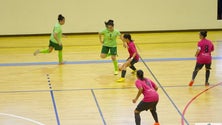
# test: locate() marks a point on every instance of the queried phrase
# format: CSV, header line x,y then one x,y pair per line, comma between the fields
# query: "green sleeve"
x,y
102,32
57,30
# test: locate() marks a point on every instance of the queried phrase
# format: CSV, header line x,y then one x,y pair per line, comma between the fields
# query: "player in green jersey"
x,y
55,41
108,38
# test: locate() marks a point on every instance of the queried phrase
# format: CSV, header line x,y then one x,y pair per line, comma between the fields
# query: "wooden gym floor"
x,y
86,91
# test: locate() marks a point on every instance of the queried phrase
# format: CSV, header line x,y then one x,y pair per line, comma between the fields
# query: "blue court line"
x,y
87,89
53,100
98,107
165,92
98,61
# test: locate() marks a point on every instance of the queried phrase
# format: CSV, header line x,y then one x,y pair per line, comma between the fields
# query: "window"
x,y
219,10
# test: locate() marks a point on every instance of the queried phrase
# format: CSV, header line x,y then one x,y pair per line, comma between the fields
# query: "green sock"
x,y
115,63
60,56
44,51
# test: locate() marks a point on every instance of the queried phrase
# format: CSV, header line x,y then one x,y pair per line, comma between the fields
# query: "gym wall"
x,y
85,16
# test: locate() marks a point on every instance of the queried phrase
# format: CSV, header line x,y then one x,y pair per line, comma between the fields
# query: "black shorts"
x,y
146,106
133,61
200,66
55,45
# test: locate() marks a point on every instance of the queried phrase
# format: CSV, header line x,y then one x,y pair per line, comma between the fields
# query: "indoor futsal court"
x,y
36,90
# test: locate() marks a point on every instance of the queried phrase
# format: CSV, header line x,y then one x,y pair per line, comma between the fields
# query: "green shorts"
x,y
55,45
106,49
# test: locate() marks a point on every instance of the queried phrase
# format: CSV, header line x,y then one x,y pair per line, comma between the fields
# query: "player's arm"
x,y
131,59
197,52
140,90
154,85
124,43
100,38
55,35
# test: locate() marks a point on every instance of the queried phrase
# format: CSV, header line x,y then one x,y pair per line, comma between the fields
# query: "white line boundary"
x,y
23,118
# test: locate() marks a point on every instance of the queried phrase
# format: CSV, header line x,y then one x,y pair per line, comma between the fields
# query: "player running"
x,y
203,57
108,38
55,41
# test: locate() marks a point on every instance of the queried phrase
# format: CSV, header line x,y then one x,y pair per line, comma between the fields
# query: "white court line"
x,y
23,118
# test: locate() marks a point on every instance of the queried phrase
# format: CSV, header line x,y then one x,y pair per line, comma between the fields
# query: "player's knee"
x,y
50,50
113,57
208,69
197,70
102,56
136,112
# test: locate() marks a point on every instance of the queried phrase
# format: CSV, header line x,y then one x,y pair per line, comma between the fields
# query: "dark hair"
x,y
139,74
127,36
203,33
60,17
109,22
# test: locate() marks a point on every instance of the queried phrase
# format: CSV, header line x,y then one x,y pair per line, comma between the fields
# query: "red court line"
x,y
194,98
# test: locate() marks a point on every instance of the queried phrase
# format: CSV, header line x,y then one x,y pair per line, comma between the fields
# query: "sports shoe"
x,y
121,79
156,123
191,83
36,52
116,72
207,84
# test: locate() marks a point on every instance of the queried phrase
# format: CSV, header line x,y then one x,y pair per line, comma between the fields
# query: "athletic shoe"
x,y
191,83
36,52
116,72
156,123
121,79
207,84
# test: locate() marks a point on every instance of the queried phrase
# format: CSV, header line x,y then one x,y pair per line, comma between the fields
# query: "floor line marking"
x,y
23,118
98,107
84,89
98,61
195,97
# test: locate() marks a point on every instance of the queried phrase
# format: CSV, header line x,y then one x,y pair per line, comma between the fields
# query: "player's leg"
x,y
207,75
113,52
133,62
140,107
137,117
197,68
154,113
123,71
59,48
60,56
48,50
104,52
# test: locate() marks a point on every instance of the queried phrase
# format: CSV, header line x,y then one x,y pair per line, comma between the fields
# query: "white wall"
x,y
39,16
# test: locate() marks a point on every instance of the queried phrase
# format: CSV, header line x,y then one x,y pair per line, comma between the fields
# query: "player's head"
x,y
203,34
140,75
61,19
127,38
109,25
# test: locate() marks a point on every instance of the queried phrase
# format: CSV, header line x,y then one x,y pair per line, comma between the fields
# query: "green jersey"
x,y
57,29
109,38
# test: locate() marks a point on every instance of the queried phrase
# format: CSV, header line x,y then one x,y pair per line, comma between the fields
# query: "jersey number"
x,y
206,49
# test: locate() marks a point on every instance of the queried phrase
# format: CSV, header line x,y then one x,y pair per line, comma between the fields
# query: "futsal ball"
x,y
120,66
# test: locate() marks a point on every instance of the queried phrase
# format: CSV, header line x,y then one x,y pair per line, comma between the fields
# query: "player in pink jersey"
x,y
149,90
132,59
203,57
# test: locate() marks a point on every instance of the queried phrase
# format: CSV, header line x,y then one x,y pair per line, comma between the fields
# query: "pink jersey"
x,y
206,47
132,50
149,92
